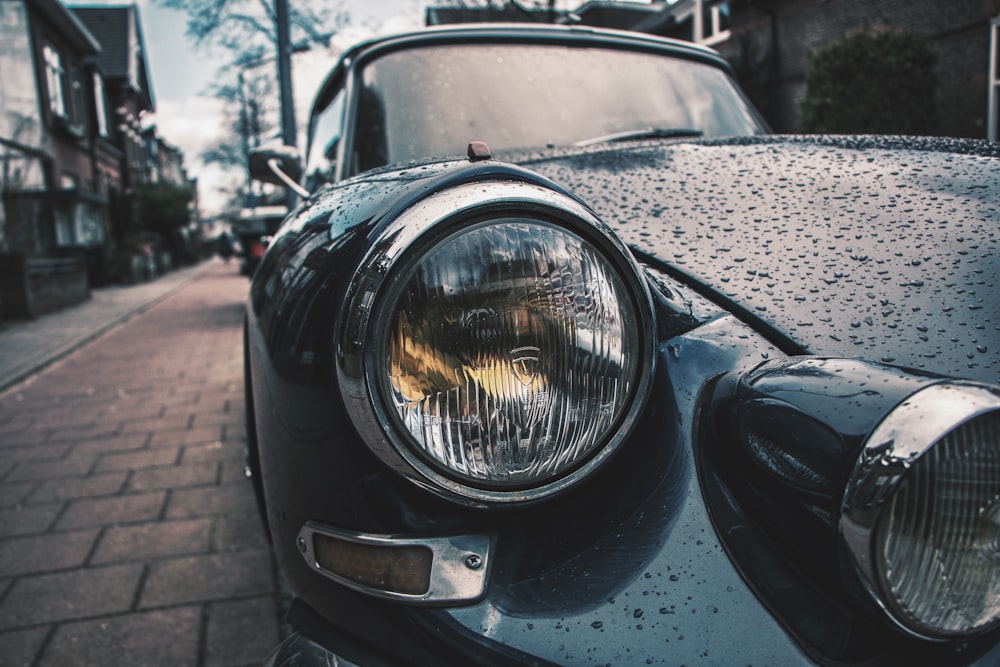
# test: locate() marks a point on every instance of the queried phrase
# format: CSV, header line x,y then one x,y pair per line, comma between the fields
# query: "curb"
x,y
29,346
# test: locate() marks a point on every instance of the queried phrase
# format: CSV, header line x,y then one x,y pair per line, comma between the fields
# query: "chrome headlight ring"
x,y
921,513
496,345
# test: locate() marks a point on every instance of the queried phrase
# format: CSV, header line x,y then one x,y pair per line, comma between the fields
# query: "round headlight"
x,y
507,343
922,512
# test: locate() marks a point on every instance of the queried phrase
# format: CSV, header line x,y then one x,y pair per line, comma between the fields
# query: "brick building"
x,y
53,147
74,87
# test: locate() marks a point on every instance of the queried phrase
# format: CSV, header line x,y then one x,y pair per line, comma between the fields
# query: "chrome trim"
x,y
909,431
438,214
275,168
460,564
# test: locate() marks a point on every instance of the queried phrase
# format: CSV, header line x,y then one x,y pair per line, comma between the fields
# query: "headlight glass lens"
x,y
938,545
512,350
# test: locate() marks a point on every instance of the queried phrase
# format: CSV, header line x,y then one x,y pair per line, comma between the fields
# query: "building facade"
x,y
55,153
769,43
74,91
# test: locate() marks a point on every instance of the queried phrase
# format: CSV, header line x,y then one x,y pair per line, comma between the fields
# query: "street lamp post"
x,y
288,129
244,133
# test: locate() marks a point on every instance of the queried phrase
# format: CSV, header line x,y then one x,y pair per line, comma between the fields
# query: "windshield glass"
x,y
433,100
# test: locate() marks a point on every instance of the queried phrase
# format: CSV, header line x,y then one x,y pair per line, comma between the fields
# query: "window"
x,y
100,105
55,80
77,110
325,129
712,22
419,103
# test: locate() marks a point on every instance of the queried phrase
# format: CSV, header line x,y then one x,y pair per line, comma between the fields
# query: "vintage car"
x,y
253,227
562,359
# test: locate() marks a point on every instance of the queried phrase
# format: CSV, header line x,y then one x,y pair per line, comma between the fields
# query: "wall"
x,y
19,108
957,29
29,288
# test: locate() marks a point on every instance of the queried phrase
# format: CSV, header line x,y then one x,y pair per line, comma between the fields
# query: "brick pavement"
x,y
128,535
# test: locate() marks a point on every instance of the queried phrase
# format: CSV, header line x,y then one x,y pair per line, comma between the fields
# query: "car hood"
x,y
883,248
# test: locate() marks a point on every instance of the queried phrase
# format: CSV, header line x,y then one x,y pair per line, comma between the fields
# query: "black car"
x,y
564,360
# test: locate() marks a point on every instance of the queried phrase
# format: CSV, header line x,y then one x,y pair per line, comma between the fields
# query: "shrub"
x,y
871,83
161,207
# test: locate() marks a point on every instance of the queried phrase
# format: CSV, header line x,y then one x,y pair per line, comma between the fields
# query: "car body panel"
x,y
657,583
898,238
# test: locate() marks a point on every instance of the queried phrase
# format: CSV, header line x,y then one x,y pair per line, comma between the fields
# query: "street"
x,y
128,534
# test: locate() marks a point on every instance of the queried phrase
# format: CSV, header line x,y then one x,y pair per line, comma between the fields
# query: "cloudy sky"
x,y
187,116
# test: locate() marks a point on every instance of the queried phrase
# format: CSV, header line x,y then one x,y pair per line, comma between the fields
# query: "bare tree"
x,y
247,32
248,27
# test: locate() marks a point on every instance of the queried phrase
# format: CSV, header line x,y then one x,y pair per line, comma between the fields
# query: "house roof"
x,y
507,13
68,24
123,48
618,15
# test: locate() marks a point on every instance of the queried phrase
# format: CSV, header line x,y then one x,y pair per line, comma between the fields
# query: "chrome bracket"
x,y
458,568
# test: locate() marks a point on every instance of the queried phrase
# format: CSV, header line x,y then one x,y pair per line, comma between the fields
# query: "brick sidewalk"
x,y
128,535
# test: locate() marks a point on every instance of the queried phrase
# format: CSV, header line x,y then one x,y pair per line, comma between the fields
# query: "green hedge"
x,y
871,83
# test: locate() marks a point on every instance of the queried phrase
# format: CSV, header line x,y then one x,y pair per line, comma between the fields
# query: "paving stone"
x,y
145,426
213,451
163,637
219,420
28,520
238,531
16,420
153,540
66,418
43,553
210,577
91,486
46,452
241,631
233,470
77,432
18,648
173,435
174,476
187,436
207,501
121,443
146,458
132,408
36,435
130,508
237,430
76,594
73,465
15,493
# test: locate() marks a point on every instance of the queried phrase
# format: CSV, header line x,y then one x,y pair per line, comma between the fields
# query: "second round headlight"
x,y
922,511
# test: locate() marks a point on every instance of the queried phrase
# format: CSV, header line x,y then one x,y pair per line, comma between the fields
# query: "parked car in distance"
x,y
253,228
564,360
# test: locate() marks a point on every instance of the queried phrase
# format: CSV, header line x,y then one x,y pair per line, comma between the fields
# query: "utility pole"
x,y
288,129
245,135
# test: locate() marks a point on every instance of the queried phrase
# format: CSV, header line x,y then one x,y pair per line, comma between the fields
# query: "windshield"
x,y
433,100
